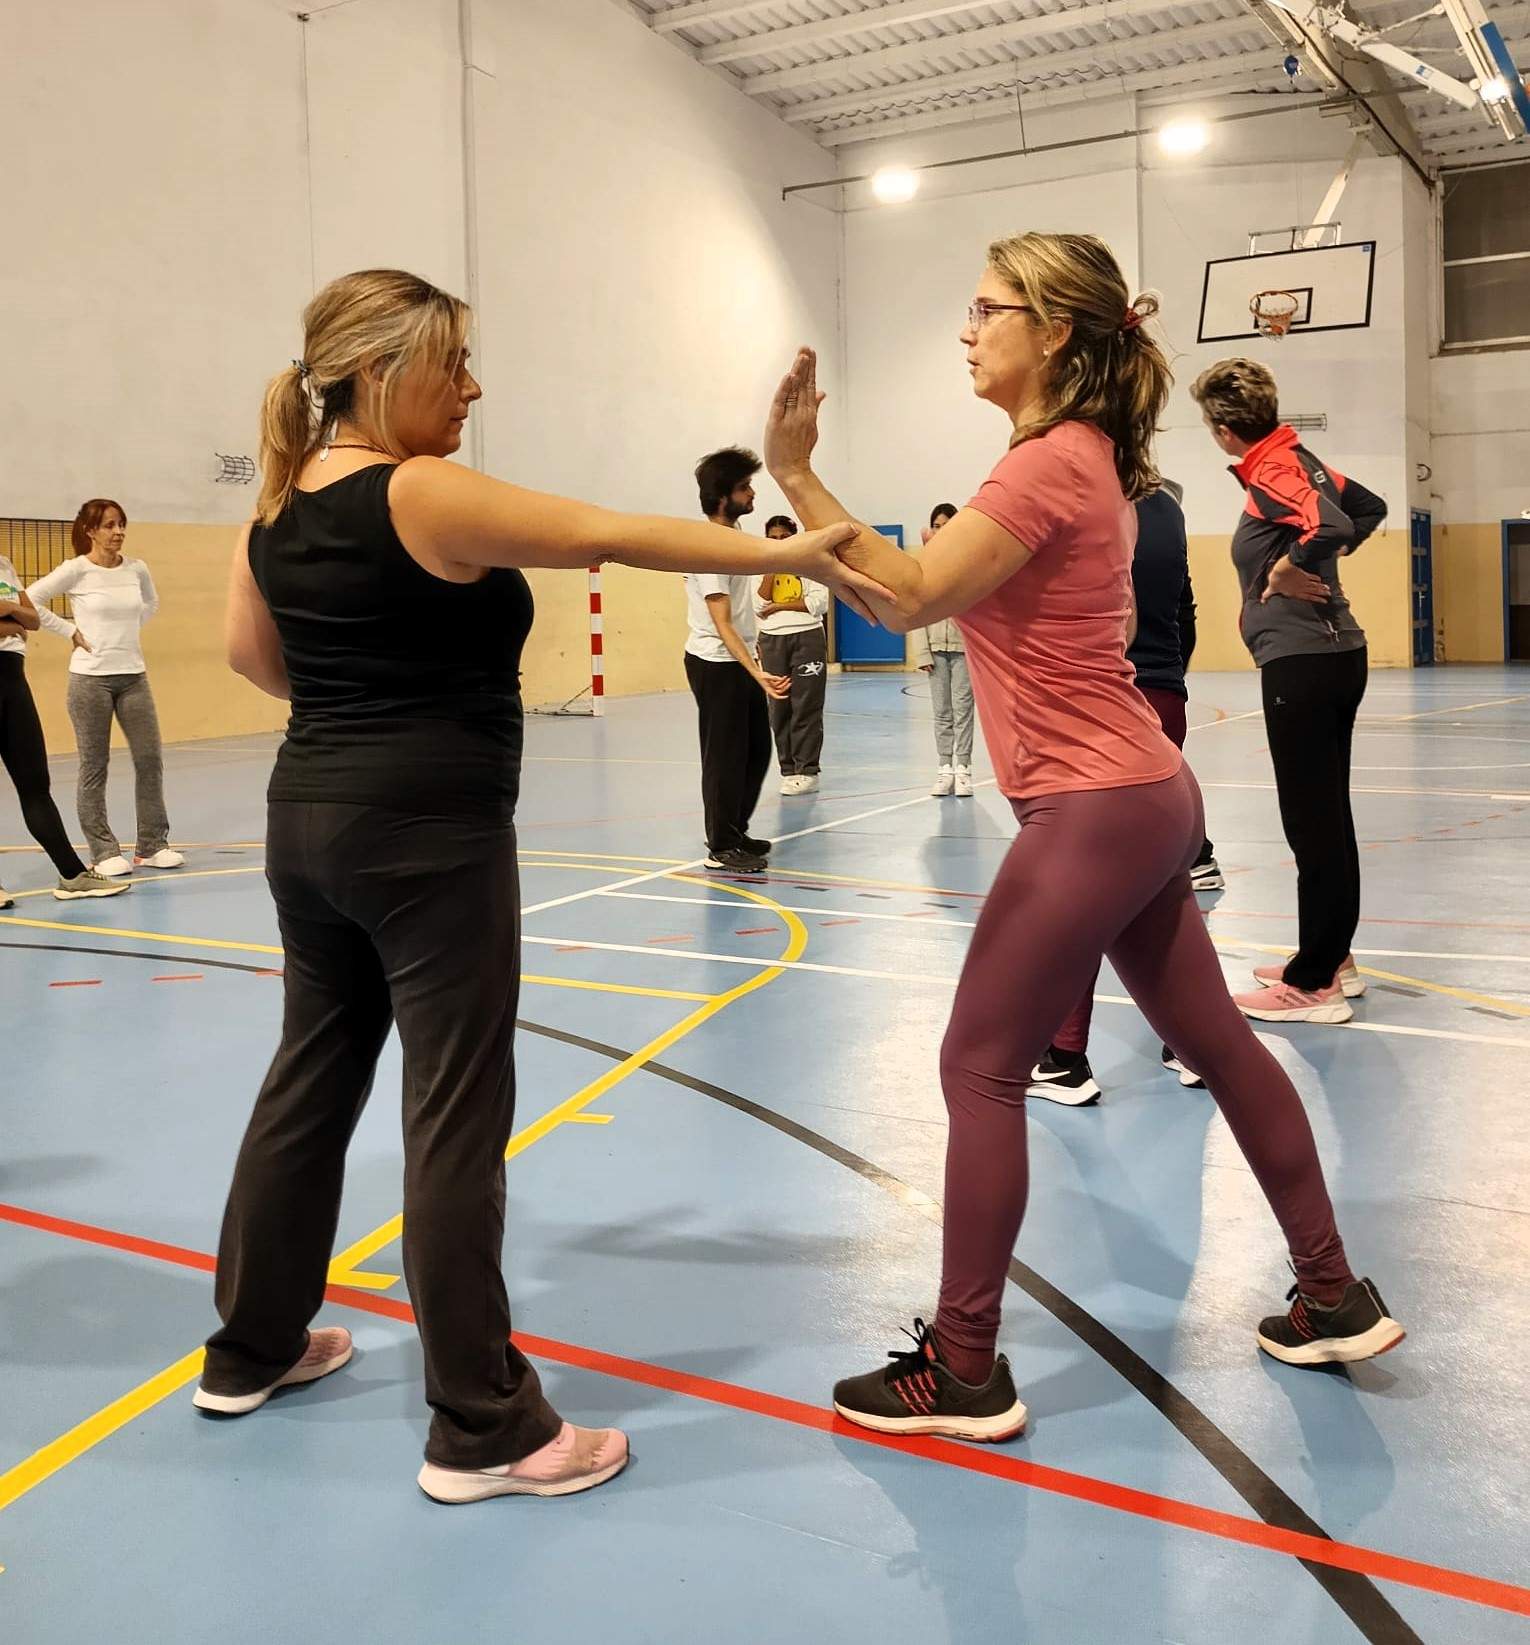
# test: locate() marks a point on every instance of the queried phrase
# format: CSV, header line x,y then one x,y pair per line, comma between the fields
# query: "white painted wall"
x,y
154,188
644,283
1481,427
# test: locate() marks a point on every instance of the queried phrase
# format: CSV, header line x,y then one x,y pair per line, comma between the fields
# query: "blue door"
x,y
856,640
1421,583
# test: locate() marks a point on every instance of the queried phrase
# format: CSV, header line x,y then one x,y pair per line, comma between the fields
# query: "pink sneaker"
x,y
1280,1002
327,1351
1348,979
576,1459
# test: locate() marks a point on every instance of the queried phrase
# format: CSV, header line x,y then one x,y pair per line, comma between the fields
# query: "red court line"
x,y
974,1459
757,931
841,922
685,936
94,982
184,976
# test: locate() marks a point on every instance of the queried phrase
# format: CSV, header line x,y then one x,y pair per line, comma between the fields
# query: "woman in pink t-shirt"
x,y
1037,568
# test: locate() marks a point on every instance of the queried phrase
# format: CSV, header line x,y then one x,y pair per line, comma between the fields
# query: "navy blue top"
x,y
1165,605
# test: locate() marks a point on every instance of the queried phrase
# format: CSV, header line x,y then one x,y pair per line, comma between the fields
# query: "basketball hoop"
x,y
1273,312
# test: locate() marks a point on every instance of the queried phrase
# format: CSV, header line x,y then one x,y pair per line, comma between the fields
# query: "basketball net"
x,y
1273,312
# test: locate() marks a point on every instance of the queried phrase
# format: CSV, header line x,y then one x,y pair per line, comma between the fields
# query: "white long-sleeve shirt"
x,y
110,607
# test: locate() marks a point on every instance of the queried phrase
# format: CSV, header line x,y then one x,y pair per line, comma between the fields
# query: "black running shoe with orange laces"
x,y
1357,1327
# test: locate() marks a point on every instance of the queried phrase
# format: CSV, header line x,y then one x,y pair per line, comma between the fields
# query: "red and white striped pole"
x,y
597,646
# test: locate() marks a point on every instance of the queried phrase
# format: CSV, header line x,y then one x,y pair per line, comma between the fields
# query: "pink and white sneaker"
x,y
1348,978
575,1459
327,1351
1280,1002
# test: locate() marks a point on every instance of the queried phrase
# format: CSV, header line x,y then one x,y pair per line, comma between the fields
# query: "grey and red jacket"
x,y
1298,506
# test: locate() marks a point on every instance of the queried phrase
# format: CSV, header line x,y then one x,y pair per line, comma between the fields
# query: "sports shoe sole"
x,y
1055,1091
1382,1337
116,889
1336,1012
453,1486
238,1405
986,1430
1214,883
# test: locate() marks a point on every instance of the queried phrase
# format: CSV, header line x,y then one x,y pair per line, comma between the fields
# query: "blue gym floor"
x,y
724,1194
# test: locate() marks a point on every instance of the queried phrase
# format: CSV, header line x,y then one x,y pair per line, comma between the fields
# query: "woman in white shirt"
x,y
24,754
111,598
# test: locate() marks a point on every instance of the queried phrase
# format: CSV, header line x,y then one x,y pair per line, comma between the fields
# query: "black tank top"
x,y
405,688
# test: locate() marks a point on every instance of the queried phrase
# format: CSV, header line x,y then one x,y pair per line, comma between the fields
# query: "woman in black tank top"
x,y
380,591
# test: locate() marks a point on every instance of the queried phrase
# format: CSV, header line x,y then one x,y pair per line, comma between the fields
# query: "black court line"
x,y
1372,1613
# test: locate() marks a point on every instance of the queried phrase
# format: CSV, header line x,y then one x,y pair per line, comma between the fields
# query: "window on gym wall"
x,y
1486,253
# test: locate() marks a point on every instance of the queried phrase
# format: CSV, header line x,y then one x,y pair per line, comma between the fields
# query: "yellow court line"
x,y
1492,1001
369,1244
140,936
169,878
267,948
59,1453
70,1446
599,856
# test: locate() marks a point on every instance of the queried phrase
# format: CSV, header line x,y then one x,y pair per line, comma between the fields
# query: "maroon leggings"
x,y
1074,1033
1105,872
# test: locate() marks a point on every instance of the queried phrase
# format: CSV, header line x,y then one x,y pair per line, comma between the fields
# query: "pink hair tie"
x,y
1133,320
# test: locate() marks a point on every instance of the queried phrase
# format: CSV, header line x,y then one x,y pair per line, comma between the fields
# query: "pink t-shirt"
x,y
1047,649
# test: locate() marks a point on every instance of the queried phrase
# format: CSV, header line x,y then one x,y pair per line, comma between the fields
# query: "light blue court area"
x,y
725,1193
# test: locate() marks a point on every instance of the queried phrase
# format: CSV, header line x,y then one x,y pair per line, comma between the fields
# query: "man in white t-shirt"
x,y
726,679
794,644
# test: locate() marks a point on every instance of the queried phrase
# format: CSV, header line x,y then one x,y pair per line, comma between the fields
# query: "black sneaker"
x,y
756,848
1207,876
1359,1327
734,862
1191,1081
1066,1077
917,1394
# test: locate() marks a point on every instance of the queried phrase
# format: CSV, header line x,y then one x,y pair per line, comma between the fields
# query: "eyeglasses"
x,y
978,312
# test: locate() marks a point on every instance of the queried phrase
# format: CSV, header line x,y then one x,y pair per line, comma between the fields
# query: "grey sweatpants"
x,y
797,721
94,699
951,693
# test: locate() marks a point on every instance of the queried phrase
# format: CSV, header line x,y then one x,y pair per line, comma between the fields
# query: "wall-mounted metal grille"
x,y
35,547
1308,422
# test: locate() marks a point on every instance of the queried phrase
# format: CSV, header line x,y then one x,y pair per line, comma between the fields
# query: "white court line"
x,y
951,982
920,919
1458,708
1421,793
697,862
796,908
1228,719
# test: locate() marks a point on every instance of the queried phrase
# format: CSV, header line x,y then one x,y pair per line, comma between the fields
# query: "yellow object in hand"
x,y
785,589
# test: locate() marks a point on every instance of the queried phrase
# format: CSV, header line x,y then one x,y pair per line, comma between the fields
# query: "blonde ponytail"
x,y
381,320
288,431
1111,371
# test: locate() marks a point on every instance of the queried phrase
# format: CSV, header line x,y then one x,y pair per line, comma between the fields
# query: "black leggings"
x,y
25,757
1310,704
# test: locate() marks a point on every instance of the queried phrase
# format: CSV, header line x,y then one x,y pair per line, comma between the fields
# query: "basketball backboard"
x,y
1333,285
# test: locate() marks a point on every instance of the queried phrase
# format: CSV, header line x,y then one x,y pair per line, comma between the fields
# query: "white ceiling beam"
x,y
703,11
1029,69
862,22
916,51
1189,80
